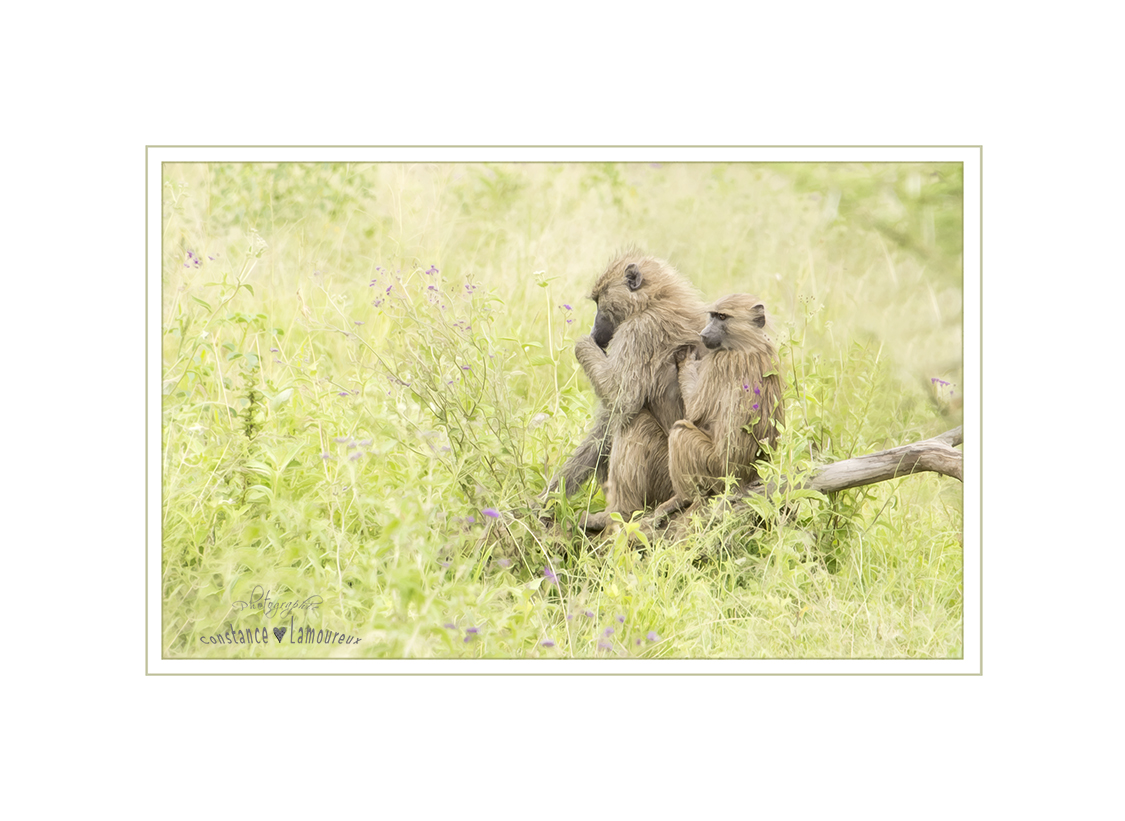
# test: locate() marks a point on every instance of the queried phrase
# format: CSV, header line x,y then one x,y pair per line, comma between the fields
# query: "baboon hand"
x,y
587,346
667,509
683,353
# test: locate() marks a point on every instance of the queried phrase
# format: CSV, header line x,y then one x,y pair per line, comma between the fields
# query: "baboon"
x,y
647,312
732,396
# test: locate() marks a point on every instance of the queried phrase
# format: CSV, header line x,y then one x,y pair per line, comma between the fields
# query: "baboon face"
x,y
613,295
737,323
633,284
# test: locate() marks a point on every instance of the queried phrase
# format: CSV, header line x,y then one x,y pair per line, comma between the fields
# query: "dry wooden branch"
x,y
936,455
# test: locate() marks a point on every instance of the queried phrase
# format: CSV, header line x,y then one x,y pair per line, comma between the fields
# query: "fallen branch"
x,y
936,455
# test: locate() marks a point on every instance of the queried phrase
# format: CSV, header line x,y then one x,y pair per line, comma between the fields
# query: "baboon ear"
x,y
758,315
633,276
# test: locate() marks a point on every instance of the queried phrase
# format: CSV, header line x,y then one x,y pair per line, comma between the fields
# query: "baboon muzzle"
x,y
602,331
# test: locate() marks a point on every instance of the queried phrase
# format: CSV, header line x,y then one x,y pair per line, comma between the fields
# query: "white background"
x,y
87,88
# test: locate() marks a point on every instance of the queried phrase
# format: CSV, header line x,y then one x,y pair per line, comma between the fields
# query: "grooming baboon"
x,y
647,312
732,395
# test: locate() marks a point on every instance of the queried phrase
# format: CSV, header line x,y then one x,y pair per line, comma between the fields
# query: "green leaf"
x,y
258,493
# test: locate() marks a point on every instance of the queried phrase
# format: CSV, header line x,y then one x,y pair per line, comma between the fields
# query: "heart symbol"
x,y
278,632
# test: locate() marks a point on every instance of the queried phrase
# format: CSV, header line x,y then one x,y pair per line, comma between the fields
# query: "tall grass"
x,y
368,377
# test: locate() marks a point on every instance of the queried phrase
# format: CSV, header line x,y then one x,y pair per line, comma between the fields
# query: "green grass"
x,y
368,377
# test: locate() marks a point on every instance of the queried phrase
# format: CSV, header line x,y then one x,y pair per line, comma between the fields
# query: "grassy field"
x,y
368,377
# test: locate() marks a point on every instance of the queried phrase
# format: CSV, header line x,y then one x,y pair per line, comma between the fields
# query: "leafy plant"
x,y
367,381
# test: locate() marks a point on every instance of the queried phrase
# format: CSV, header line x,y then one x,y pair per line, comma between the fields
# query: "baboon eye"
x,y
721,317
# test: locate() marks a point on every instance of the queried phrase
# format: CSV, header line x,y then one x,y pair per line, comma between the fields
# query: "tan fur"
x,y
722,432
637,380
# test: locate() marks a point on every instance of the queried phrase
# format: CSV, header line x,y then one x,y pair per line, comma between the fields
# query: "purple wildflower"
x,y
620,619
491,512
653,636
608,631
470,519
547,643
589,614
449,625
549,574
356,455
503,562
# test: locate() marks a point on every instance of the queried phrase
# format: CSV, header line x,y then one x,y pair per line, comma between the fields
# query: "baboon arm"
x,y
691,460
688,376
624,396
